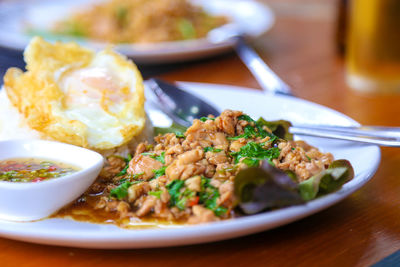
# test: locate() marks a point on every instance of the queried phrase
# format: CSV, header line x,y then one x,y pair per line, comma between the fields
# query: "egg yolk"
x,y
91,86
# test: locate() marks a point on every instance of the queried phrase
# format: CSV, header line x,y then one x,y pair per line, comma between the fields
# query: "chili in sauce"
x,y
32,170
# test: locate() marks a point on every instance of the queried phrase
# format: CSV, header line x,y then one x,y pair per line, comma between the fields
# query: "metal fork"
x,y
267,79
271,83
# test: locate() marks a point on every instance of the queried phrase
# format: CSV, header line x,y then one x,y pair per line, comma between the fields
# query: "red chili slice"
x,y
52,168
38,179
194,201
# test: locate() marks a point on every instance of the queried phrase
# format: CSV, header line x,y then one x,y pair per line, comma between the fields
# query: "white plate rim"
x,y
112,237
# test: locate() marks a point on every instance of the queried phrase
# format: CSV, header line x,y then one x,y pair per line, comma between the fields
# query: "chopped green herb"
x,y
249,132
212,149
120,191
152,155
187,29
159,172
254,152
179,198
123,180
183,198
251,162
309,159
179,134
209,195
245,117
121,13
127,159
253,130
219,211
174,188
136,176
261,131
157,194
161,158
293,148
203,119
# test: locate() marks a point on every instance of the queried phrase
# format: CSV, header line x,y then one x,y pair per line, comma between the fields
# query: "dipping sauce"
x,y
33,170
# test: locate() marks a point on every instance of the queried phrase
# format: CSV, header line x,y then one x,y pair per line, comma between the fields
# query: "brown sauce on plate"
x,y
83,210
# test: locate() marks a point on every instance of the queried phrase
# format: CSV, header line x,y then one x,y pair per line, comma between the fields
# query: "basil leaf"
x,y
255,152
253,130
203,119
120,191
179,134
212,149
159,172
219,211
208,197
174,188
124,170
157,194
160,158
249,132
183,198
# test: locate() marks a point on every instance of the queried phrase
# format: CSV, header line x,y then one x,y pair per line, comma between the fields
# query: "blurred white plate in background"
x,y
253,19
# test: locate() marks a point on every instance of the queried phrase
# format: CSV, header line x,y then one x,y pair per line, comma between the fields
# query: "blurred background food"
x,y
150,32
140,21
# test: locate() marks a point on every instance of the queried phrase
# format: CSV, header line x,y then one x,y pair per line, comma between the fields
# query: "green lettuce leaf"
x,y
327,181
174,128
279,128
263,188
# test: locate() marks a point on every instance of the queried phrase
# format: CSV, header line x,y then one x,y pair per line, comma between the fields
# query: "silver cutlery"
x,y
266,78
182,107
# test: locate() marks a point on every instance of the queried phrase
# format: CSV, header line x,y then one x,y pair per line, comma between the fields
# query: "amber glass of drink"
x,y
373,51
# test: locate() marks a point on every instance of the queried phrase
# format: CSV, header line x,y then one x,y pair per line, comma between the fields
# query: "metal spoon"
x,y
182,107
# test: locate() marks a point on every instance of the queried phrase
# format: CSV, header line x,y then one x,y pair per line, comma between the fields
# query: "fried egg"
x,y
74,95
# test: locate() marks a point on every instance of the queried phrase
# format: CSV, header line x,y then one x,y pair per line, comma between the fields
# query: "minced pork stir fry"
x,y
189,177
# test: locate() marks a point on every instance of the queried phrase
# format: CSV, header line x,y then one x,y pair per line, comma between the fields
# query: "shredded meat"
x,y
113,165
201,215
143,165
302,159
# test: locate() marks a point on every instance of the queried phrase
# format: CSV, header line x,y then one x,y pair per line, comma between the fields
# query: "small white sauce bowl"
x,y
20,201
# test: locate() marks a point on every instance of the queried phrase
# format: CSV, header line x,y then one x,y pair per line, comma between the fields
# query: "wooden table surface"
x,y
359,231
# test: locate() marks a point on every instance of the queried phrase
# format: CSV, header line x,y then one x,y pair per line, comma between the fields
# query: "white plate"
x,y
251,17
364,158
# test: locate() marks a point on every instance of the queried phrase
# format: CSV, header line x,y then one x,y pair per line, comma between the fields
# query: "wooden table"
x,y
358,231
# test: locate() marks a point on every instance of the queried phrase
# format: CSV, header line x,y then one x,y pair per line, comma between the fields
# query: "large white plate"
x,y
365,159
250,17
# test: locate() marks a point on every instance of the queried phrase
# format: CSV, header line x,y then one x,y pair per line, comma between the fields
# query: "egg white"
x,y
93,96
74,95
